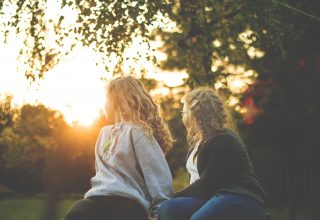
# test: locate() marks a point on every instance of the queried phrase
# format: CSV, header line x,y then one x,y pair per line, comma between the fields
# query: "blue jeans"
x,y
223,206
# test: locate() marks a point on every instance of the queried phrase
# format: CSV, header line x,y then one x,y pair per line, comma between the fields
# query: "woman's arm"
x,y
220,170
155,171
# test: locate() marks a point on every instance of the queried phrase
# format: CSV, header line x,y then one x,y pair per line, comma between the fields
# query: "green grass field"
x,y
32,208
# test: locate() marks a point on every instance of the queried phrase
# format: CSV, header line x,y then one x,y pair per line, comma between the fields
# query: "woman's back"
x,y
121,152
224,166
246,181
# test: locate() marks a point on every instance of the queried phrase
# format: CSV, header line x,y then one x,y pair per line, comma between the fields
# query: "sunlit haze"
x,y
74,87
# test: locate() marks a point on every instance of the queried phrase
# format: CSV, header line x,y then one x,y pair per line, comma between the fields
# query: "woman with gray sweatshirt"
x,y
132,176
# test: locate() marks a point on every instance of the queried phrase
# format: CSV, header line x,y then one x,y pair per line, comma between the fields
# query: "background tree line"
x,y
32,136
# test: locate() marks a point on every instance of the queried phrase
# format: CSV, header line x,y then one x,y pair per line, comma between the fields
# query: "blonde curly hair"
x,y
135,105
204,115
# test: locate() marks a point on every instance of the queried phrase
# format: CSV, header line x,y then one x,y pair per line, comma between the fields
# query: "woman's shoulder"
x,y
124,129
128,129
127,125
124,125
131,129
104,129
225,137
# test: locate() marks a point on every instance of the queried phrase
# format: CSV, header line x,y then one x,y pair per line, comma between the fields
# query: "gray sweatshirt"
x,y
130,164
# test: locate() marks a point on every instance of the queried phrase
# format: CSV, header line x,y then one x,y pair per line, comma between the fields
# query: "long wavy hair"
x,y
135,105
204,116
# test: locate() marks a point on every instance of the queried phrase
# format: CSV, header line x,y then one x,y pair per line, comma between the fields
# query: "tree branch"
x,y
230,14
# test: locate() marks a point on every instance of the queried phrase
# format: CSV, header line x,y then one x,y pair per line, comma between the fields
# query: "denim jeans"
x,y
223,206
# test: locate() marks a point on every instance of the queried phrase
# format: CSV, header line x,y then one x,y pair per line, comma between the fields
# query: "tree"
x,y
223,32
25,145
106,26
286,130
7,113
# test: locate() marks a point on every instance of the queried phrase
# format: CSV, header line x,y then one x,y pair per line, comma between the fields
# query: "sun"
x,y
74,87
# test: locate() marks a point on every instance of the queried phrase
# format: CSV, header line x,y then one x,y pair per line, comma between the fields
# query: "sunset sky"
x,y
73,87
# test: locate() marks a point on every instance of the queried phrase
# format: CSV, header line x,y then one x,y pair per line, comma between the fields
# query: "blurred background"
x,y
56,56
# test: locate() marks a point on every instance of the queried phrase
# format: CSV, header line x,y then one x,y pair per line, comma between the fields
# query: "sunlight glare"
x,y
74,87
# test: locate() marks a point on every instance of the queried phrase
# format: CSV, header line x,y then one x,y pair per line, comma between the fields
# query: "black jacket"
x,y
224,165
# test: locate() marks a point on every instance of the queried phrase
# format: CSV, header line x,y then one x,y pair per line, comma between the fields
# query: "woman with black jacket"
x,y
223,184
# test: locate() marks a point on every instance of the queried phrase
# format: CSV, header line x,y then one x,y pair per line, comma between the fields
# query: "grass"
x,y
32,208
282,214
